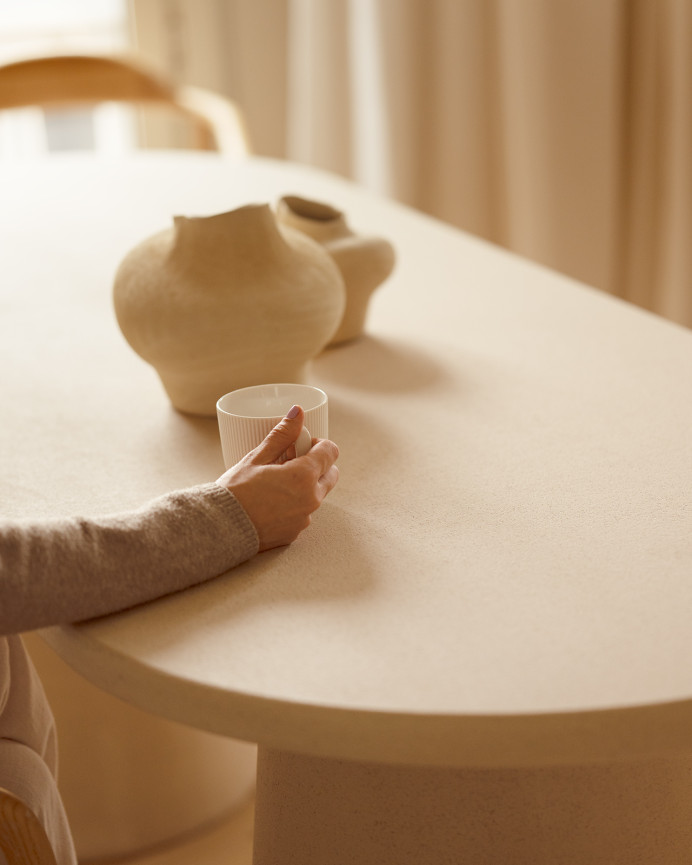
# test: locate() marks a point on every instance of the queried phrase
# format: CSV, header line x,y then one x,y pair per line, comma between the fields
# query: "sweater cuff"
x,y
241,527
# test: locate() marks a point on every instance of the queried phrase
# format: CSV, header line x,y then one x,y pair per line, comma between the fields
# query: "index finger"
x,y
324,453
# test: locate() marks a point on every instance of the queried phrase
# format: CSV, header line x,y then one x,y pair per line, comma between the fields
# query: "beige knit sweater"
x,y
66,570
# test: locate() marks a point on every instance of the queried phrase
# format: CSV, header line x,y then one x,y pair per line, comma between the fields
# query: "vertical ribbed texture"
x,y
240,435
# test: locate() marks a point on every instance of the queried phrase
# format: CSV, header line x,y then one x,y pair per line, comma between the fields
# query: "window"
x,y
33,27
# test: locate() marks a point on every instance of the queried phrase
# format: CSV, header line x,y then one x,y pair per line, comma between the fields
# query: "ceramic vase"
x,y
221,302
364,262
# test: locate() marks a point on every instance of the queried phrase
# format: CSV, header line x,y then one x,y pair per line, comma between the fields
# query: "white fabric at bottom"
x,y
26,775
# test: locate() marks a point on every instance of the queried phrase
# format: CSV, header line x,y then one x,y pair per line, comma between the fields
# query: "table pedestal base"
x,y
132,781
317,811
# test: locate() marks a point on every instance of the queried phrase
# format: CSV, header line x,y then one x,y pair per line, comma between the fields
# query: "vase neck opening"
x,y
321,221
251,228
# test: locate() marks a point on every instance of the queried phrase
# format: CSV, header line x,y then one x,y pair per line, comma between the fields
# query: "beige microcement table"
x,y
481,650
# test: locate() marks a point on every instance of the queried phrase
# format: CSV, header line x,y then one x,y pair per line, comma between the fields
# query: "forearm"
x,y
72,569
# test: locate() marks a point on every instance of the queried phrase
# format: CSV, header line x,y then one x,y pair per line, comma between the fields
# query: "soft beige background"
x,y
562,130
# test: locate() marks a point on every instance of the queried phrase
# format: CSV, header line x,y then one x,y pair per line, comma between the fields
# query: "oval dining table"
x,y
480,651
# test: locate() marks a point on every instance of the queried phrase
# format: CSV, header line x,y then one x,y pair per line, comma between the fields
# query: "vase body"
x,y
364,262
222,302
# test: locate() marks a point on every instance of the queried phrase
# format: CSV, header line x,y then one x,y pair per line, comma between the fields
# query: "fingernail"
x,y
293,412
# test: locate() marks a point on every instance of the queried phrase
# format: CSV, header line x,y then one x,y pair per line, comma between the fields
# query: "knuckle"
x,y
278,433
304,479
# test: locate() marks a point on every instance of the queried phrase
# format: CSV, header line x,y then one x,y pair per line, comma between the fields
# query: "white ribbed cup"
x,y
247,415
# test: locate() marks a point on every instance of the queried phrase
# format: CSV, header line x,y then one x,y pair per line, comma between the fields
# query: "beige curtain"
x,y
561,129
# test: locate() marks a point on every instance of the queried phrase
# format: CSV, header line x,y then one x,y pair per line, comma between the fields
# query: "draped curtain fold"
x,y
655,261
562,131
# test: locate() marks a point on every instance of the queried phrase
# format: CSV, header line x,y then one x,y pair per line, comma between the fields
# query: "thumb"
x,y
280,439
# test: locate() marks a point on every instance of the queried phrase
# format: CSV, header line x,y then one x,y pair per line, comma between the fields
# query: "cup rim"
x,y
238,392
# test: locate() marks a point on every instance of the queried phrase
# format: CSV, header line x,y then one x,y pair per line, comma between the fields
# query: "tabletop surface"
x,y
504,572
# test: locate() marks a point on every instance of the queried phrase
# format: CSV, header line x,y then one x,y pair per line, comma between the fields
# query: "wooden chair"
x,y
71,80
23,839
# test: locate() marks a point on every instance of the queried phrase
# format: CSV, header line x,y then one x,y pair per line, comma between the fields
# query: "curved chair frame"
x,y
81,79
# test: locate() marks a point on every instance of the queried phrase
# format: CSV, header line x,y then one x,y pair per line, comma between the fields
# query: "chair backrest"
x,y
23,840
68,80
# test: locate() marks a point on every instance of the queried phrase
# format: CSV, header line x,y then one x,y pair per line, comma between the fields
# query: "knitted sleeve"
x,y
66,570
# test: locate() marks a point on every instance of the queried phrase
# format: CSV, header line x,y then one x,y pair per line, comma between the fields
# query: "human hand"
x,y
279,498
